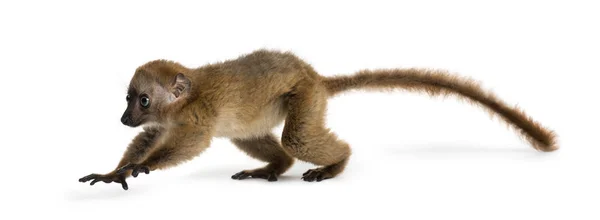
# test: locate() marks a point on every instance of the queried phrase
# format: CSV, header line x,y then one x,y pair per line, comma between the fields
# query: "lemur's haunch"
x,y
245,98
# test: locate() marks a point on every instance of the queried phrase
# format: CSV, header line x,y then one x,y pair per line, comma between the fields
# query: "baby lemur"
x,y
245,98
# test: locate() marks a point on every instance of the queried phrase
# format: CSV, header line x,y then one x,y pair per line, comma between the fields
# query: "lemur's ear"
x,y
180,84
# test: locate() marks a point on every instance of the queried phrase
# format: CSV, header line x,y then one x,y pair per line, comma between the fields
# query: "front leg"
x,y
136,151
182,143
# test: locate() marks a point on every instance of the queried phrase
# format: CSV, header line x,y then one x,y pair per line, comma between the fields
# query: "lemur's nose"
x,y
126,119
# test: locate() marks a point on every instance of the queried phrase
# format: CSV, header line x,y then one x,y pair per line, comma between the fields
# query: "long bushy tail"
x,y
435,82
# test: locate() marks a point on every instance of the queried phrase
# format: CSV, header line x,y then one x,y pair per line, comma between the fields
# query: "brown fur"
x,y
245,98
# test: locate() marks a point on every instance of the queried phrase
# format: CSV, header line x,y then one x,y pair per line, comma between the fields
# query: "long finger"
x,y
123,183
94,182
88,178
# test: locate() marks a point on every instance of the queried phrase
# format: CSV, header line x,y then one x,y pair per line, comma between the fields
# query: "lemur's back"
x,y
253,89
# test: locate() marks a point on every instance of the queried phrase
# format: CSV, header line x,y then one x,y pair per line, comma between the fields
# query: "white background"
x,y
65,67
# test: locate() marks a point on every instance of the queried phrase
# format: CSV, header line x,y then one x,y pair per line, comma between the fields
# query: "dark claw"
x,y
240,176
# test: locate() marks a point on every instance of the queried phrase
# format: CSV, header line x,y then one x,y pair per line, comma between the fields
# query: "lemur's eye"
x,y
145,101
128,98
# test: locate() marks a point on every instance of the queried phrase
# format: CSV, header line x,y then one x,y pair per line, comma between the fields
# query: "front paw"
x,y
107,178
135,169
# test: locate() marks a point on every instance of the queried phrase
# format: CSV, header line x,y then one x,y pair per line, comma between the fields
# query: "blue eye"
x,y
145,101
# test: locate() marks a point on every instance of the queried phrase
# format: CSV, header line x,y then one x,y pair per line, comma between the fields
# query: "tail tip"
x,y
547,146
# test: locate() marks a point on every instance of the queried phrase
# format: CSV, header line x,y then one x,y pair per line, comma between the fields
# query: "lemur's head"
x,y
154,86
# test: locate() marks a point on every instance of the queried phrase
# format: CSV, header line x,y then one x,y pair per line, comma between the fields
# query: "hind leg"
x,y
265,149
306,137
